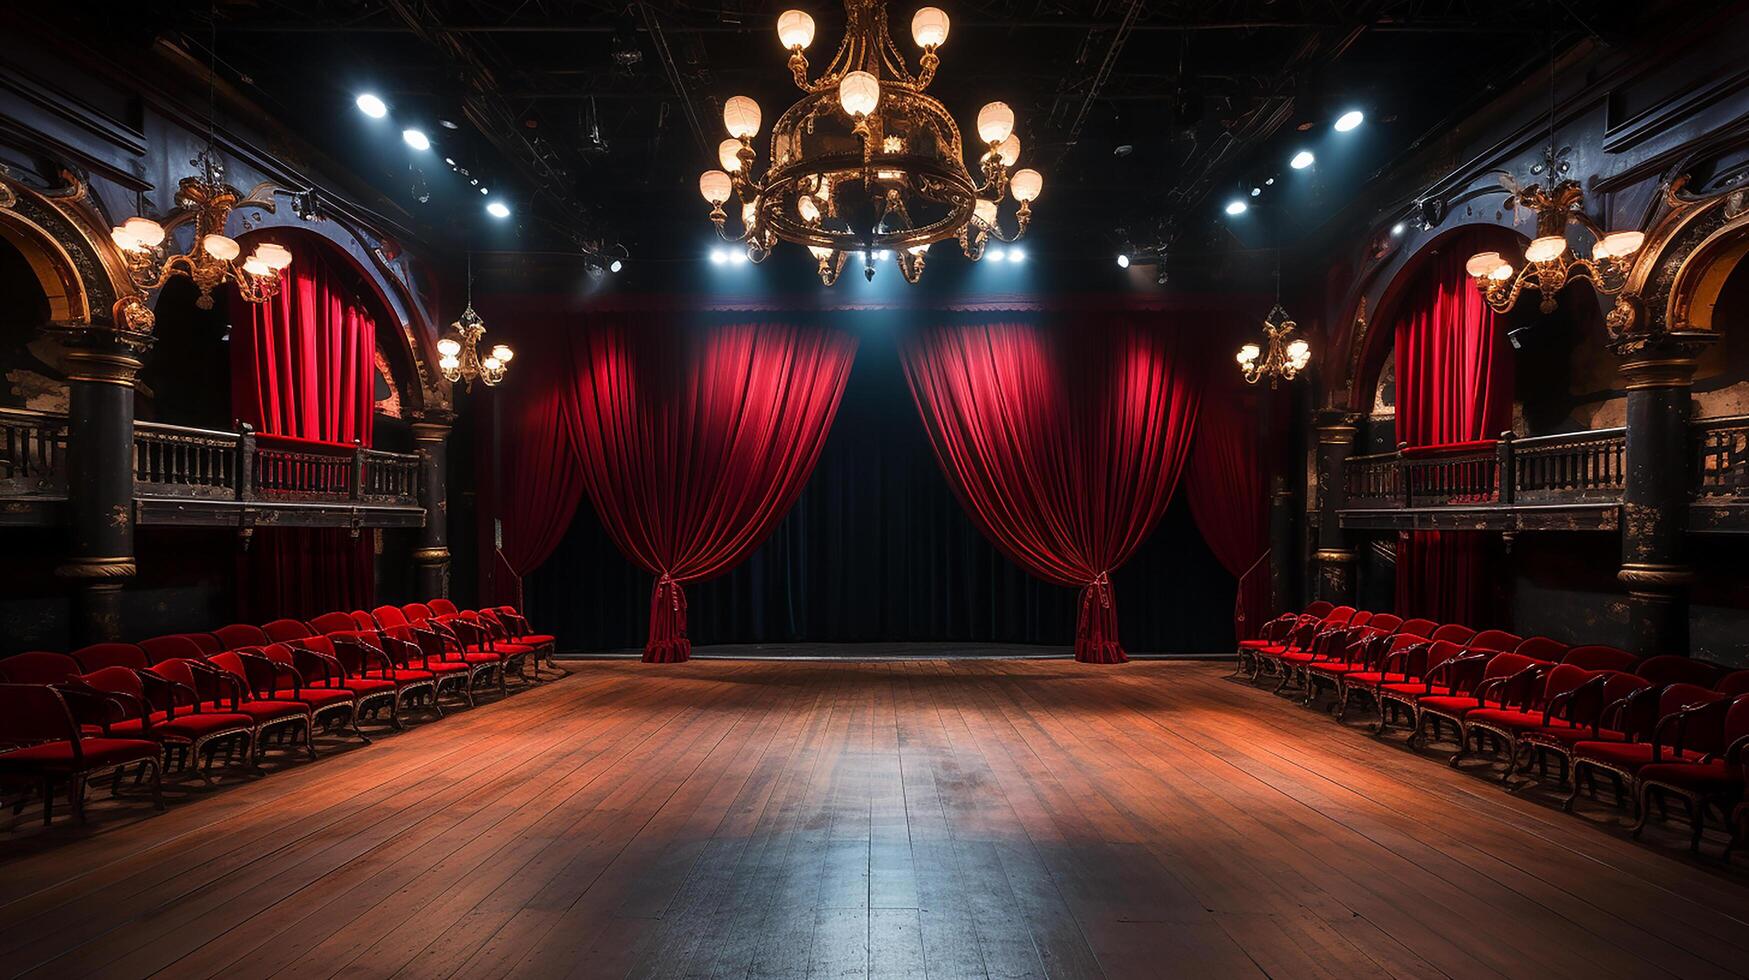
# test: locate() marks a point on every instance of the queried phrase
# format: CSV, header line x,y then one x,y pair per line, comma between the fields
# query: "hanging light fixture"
x,y
1549,262
866,161
212,258
1281,356
458,355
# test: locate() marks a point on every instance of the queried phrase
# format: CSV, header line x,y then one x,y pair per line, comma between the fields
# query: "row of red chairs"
x,y
1661,728
174,702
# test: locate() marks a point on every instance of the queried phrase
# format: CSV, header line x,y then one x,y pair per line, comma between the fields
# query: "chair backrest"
x,y
389,616
333,622
1543,648
1668,669
1439,651
1338,615
282,630
1595,656
362,620
1319,608
38,667
1676,697
1498,640
1564,678
1417,627
100,655
1732,684
416,612
1385,621
208,643
1360,618
444,607
1453,633
123,681
180,646
32,713
1737,721
241,635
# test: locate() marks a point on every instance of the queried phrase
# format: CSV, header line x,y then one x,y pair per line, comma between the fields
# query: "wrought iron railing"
x,y
1721,450
33,453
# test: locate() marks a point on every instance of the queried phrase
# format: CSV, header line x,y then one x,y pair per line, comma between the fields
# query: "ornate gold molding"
x,y
1333,555
1660,576
1659,372
99,568
1337,435
102,367
431,556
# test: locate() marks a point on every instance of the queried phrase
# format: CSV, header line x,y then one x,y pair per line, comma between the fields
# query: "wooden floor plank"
x,y
933,819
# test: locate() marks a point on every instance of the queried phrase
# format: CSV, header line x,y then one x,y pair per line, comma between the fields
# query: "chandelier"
x,y
458,356
212,258
866,161
1285,357
1550,263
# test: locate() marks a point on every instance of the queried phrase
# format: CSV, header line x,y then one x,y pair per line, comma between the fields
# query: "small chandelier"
x,y
212,258
1285,357
1549,262
459,355
866,161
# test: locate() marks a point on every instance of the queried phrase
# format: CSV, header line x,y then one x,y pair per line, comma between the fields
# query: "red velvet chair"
x,y
315,681
1721,730
1345,652
399,642
444,647
1519,704
543,643
373,676
1439,674
488,631
1544,648
1418,627
1646,744
100,655
1401,665
1305,638
239,635
1595,711
160,648
38,667
1385,621
333,622
1668,669
239,686
1270,641
1500,641
287,630
1732,684
150,704
1595,656
43,745
1454,633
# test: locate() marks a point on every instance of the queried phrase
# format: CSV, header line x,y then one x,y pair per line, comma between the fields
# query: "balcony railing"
x,y
184,463
1577,467
1721,465
33,454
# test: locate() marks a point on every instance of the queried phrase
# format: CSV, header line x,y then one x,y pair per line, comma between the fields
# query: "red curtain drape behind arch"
x,y
303,366
1064,445
1454,384
694,442
1225,486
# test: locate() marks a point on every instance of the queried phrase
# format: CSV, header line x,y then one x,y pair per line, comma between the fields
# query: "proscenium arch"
x,y
1386,300
1702,275
53,266
63,237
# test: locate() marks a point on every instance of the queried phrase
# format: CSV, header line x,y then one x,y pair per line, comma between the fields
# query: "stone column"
x,y
101,368
1276,442
1333,562
431,557
1654,509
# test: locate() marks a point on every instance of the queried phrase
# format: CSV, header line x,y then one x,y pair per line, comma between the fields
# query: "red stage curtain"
x,y
693,443
539,481
303,366
1225,487
1454,384
1064,445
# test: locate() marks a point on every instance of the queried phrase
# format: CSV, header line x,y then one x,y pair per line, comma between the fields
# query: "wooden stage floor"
x,y
900,819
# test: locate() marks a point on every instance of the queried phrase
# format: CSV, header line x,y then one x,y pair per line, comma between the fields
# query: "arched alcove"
x,y
29,377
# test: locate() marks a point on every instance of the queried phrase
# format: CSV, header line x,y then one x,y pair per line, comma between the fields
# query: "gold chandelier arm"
x,y
926,67
1607,276
798,70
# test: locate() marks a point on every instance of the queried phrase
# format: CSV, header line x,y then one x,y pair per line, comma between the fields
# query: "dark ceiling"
x,y
594,119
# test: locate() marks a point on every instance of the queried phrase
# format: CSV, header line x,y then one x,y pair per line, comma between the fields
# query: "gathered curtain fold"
x,y
1063,444
303,366
692,443
1225,487
538,484
1454,385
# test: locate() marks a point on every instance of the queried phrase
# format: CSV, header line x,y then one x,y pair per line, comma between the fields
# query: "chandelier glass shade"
x,y
1281,356
212,258
866,161
459,354
1549,262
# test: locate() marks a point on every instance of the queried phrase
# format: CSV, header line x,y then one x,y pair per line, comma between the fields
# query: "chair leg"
x,y
1696,816
48,800
1572,797
76,796
1644,811
310,738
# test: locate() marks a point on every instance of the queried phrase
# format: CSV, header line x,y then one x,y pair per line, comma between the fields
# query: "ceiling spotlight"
x,y
737,257
446,124
1237,207
718,256
484,191
1123,261
416,139
997,255
449,160
1302,160
615,265
1397,229
371,106
1160,274
1270,182
883,255
1350,120
1017,255
1256,192
498,209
